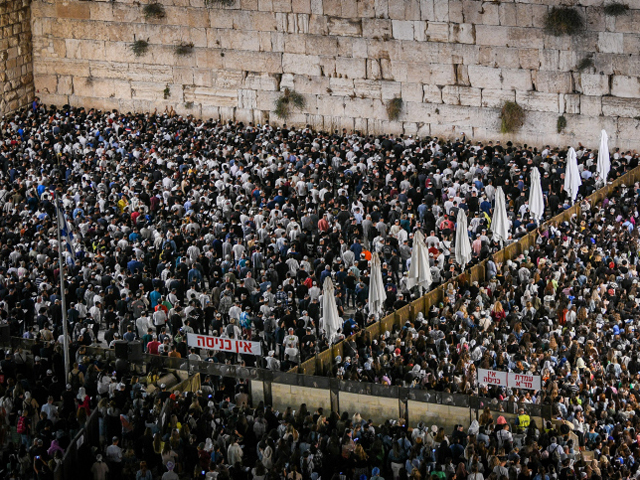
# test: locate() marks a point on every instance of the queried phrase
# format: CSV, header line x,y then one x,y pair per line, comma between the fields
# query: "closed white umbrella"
x,y
419,272
536,200
377,294
463,246
330,316
572,180
604,163
500,221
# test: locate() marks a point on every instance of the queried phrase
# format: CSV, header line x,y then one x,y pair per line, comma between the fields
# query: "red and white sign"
x,y
223,344
504,379
527,382
492,377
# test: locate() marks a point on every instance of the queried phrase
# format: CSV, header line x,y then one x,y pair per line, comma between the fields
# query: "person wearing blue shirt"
x,y
194,275
154,297
356,248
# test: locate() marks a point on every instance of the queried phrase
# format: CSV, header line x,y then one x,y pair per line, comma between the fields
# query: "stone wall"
x,y
453,63
16,67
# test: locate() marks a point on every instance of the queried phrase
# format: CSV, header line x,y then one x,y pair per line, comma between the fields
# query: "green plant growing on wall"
x,y
561,124
166,92
287,102
616,9
154,10
184,49
139,47
188,105
563,21
394,109
512,117
586,62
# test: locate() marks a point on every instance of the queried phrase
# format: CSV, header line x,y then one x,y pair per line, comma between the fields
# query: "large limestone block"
x,y
76,10
330,105
437,32
627,87
516,79
589,84
402,30
310,85
462,33
497,57
432,94
247,99
570,103
154,91
538,101
341,87
508,14
211,96
457,95
391,90
412,92
351,67
377,28
494,98
485,77
345,27
552,82
301,64
609,42
260,81
359,107
590,105
368,88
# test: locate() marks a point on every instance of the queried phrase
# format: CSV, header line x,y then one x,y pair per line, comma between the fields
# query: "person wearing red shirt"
x,y
152,346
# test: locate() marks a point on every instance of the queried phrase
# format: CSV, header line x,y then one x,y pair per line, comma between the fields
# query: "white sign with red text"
x,y
527,382
223,344
504,379
492,377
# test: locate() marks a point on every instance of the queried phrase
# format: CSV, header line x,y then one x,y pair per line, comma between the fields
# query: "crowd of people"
x,y
174,225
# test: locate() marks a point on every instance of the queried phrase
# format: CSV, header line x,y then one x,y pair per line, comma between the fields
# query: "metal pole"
x,y
62,299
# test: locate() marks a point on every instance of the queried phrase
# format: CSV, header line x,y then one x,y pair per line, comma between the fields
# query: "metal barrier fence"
x,y
77,457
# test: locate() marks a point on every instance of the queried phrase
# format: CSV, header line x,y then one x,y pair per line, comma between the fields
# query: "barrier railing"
x,y
74,459
321,365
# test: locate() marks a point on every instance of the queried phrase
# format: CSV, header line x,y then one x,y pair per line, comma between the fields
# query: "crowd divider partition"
x,y
323,362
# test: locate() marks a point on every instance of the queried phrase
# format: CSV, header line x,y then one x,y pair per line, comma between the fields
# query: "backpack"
x,y
556,455
23,426
75,381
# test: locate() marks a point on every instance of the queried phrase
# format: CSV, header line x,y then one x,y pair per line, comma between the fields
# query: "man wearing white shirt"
x,y
143,323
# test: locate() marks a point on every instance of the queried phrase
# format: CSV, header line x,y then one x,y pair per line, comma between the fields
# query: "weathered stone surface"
x,y
627,87
345,27
592,84
347,58
516,79
538,101
485,77
455,95
610,42
591,106
493,98
552,82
